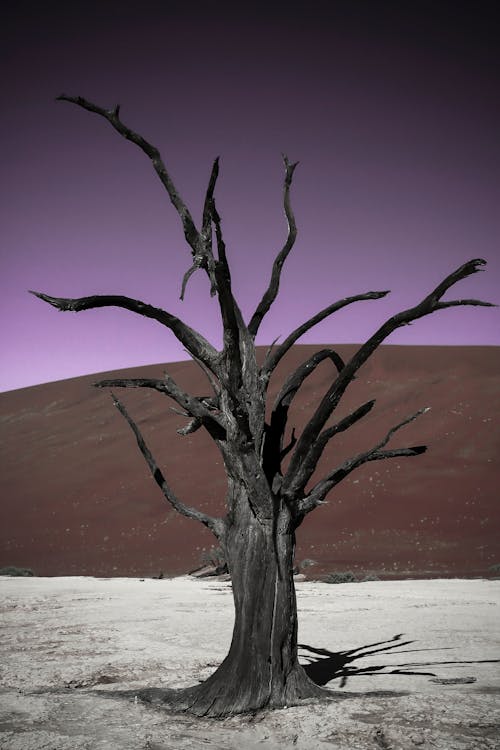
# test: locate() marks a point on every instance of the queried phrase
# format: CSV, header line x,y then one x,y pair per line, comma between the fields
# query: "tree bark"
x,y
261,669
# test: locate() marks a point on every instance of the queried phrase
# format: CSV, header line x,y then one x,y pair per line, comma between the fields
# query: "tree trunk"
x,y
261,669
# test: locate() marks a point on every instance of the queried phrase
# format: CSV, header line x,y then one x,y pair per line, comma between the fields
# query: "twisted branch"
x,y
113,117
272,290
205,259
216,525
200,243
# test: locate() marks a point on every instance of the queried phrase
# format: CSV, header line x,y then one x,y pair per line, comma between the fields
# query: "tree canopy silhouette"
x,y
265,503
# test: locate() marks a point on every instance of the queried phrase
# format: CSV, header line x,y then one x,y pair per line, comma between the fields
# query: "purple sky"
x,y
392,110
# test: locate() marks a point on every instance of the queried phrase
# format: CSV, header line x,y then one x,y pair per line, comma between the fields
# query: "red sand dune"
x,y
77,496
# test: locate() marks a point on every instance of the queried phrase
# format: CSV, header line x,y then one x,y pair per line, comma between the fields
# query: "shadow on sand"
x,y
323,666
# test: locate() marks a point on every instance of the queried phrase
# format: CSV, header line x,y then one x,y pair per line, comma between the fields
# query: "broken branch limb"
x,y
272,290
195,407
197,263
216,525
204,258
194,342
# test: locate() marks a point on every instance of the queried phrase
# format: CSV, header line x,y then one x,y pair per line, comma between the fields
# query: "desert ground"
x,y
411,664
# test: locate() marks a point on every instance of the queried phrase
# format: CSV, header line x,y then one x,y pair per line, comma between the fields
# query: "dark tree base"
x,y
215,699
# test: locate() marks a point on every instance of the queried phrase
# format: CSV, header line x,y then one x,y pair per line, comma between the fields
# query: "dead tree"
x,y
265,503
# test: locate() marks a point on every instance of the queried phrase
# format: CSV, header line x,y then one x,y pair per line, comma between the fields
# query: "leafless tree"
x,y
265,503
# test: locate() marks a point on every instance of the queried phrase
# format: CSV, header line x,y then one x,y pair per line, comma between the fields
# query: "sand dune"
x,y
77,497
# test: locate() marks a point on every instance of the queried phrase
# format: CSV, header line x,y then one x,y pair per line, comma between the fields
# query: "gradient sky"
x,y
392,110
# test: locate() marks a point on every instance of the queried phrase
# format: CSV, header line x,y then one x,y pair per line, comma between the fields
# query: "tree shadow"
x,y
324,666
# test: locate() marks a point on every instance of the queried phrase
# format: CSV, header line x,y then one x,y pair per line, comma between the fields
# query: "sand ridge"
x,y
78,499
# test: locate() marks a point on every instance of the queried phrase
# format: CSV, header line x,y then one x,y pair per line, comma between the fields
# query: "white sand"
x,y
64,639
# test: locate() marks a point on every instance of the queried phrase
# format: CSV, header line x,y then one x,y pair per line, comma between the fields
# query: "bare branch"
x,y
322,488
197,408
467,269
391,432
415,450
295,380
272,290
216,525
192,426
457,302
272,358
348,421
200,243
204,258
194,342
197,263
201,260
235,330
221,245
292,384
206,231
273,451
330,400
112,116
294,485
271,347
213,381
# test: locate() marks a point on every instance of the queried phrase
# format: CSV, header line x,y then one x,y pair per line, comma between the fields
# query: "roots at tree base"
x,y
217,698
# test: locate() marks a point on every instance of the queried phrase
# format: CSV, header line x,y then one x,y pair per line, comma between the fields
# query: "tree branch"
x,y
206,230
273,357
199,408
211,378
200,248
112,116
197,263
330,400
216,525
467,269
194,342
273,445
205,258
322,488
272,290
295,484
235,330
